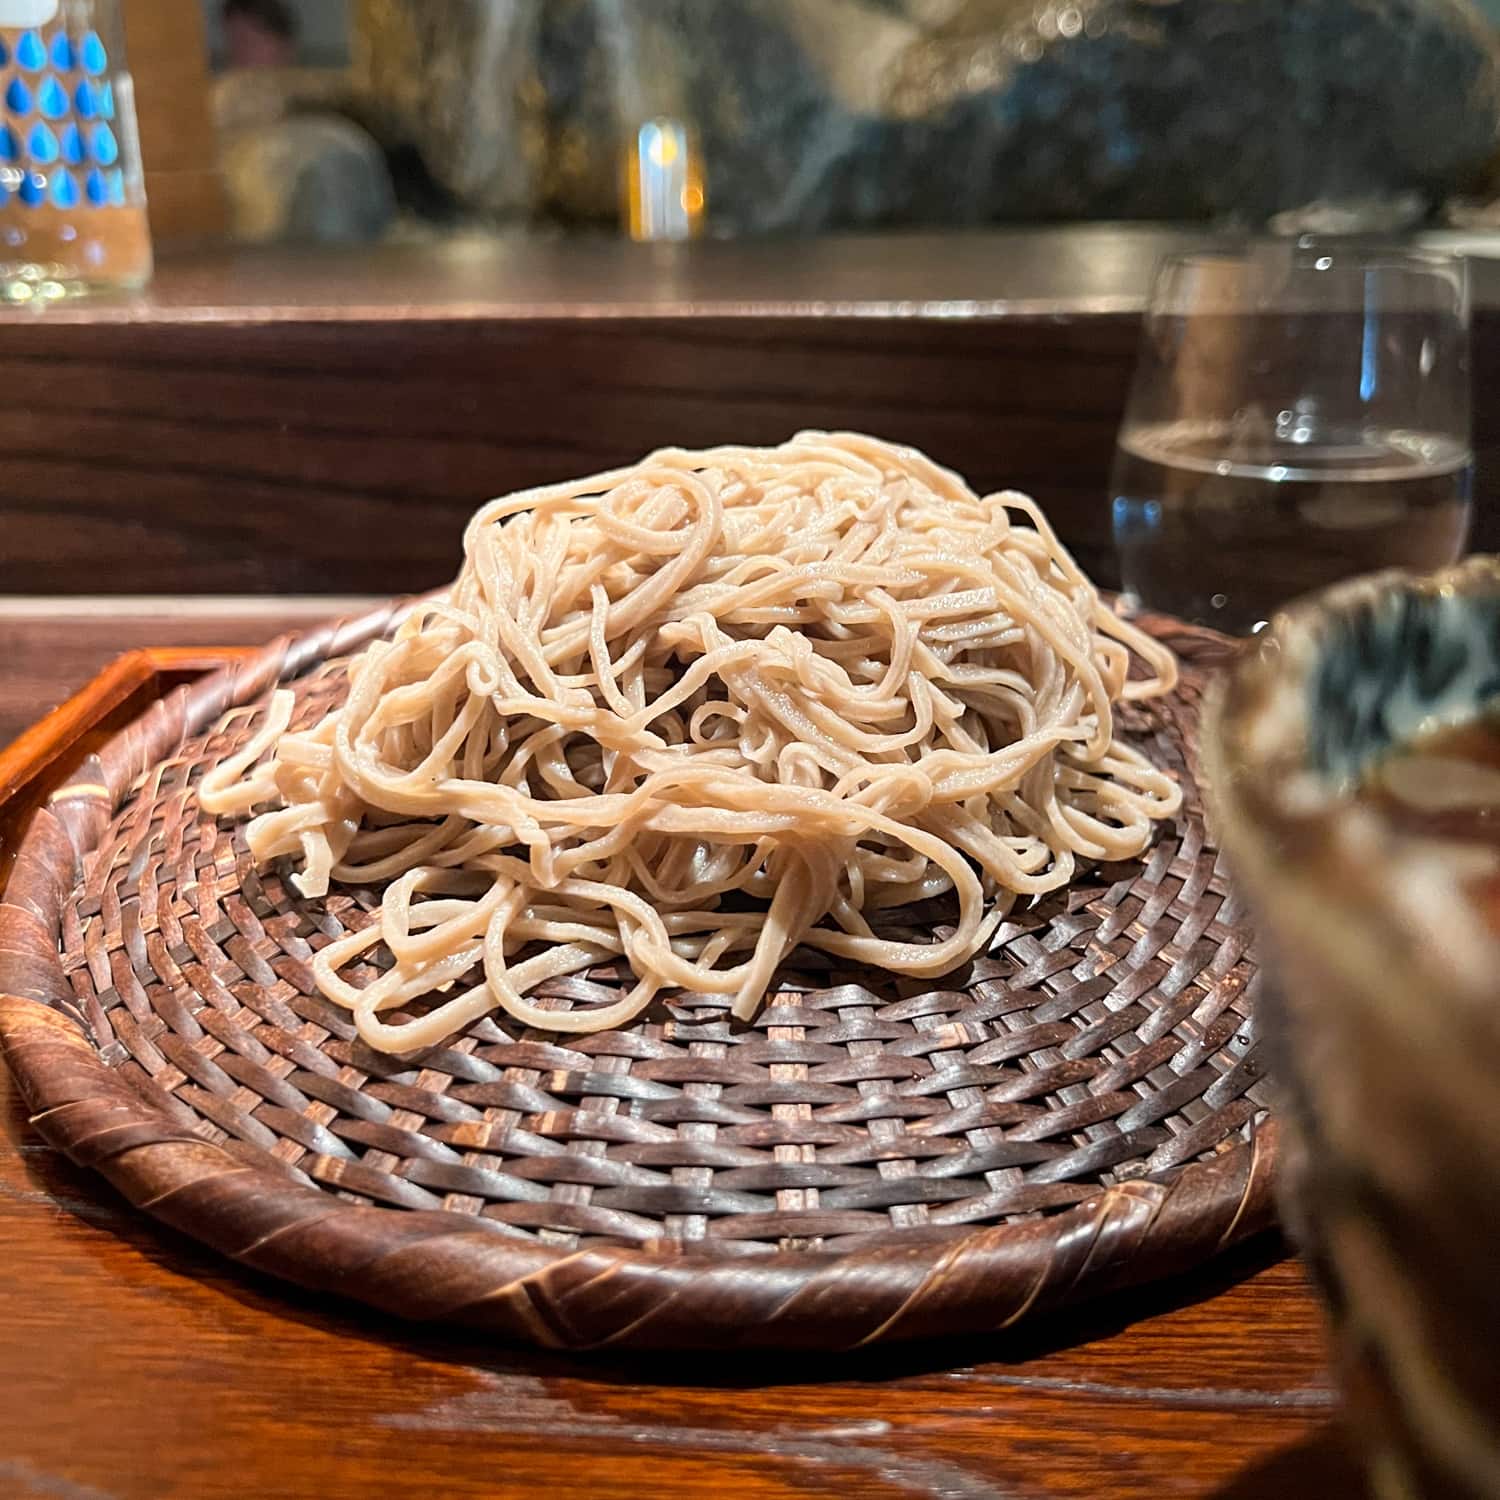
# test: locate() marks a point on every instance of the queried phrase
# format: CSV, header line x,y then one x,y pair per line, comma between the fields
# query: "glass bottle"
x,y
72,198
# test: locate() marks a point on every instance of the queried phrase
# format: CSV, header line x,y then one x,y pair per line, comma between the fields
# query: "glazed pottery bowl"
x,y
1384,1020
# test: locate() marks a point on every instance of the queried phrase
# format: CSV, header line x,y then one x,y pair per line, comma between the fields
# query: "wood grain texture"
x,y
139,1366
213,457
200,1381
51,648
235,428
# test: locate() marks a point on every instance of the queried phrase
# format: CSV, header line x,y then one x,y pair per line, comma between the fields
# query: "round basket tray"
x,y
871,1158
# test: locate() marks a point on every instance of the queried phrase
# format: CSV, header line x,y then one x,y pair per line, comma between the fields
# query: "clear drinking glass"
x,y
1300,414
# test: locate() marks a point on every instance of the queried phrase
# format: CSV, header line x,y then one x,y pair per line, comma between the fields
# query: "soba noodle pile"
x,y
693,713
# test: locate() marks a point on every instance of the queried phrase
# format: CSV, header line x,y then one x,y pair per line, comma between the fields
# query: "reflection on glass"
x,y
1300,414
664,198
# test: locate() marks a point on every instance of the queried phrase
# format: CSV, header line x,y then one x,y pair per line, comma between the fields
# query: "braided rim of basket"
x,y
440,1265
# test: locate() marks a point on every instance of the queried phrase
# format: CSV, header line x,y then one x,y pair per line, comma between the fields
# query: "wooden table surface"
x,y
138,1367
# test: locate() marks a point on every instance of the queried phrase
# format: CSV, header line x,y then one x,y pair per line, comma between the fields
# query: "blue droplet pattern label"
x,y
55,137
52,99
92,55
30,53
42,144
65,189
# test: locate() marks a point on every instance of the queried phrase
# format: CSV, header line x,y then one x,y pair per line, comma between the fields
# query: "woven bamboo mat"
x,y
872,1157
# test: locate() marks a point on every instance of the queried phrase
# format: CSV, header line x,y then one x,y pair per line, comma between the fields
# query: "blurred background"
x,y
362,120
413,253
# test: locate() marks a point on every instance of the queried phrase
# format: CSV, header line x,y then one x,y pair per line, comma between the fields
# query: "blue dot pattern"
x,y
42,144
64,189
106,149
92,54
60,163
53,99
30,53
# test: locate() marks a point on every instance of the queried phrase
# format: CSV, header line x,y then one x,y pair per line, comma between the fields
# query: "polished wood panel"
x,y
52,648
280,423
494,277
298,457
1066,273
140,1367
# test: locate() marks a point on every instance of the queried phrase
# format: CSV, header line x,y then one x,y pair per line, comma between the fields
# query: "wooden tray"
x,y
871,1159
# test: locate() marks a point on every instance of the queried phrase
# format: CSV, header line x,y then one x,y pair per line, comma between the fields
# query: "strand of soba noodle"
x,y
693,713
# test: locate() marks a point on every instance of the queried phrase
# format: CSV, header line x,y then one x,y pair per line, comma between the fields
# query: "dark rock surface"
x,y
825,114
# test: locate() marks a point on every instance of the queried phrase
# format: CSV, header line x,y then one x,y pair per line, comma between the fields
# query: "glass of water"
x,y
1300,413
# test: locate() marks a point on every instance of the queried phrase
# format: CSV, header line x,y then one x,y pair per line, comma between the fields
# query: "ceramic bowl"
x,y
1383,1020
